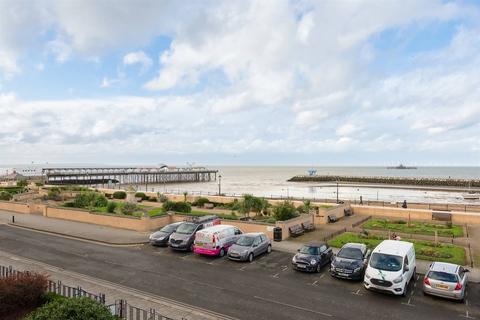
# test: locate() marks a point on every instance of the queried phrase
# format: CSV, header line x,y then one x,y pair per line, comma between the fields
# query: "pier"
x,y
410,181
130,175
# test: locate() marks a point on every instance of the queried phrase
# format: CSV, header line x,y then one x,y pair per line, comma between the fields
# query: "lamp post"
x,y
220,185
337,191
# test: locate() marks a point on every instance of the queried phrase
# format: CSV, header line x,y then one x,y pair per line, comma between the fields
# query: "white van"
x,y
215,241
391,267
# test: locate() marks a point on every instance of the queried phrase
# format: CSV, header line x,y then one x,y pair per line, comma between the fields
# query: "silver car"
x,y
248,246
446,280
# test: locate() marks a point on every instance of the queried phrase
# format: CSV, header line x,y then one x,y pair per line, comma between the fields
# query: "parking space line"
x,y
242,268
314,283
284,268
357,293
275,275
322,275
467,315
294,306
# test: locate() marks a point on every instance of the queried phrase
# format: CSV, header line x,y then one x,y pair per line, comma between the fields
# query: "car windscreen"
x,y
442,276
245,241
186,228
310,250
350,253
169,228
386,262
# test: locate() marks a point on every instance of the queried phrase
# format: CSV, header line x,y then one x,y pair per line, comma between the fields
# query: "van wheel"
x,y
404,293
250,257
222,252
269,249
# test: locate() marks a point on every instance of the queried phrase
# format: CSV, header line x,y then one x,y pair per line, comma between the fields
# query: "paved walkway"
x,y
166,307
80,230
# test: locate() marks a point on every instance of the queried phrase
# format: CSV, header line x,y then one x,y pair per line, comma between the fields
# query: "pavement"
x,y
79,230
266,289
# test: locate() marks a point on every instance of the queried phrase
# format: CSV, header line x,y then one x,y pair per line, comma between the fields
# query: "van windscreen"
x,y
386,262
186,228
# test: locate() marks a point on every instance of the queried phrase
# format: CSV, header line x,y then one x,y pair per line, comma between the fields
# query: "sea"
x,y
271,181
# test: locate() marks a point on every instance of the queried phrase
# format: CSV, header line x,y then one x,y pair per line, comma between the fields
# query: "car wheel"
x,y
222,252
250,257
269,249
318,269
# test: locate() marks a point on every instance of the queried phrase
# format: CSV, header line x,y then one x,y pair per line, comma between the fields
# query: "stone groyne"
x,y
411,181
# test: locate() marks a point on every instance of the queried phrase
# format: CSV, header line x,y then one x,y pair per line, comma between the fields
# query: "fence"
x,y
334,234
377,203
356,224
120,308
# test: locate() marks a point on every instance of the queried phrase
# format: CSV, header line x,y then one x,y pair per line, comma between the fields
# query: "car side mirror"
x,y
466,270
298,250
406,268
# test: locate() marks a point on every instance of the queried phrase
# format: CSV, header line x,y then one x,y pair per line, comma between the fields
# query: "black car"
x,y
311,257
184,236
161,237
350,262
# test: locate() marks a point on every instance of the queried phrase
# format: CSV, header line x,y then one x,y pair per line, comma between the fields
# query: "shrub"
x,y
39,184
72,309
69,204
90,199
284,211
129,208
399,222
111,206
100,201
5,196
54,194
201,202
180,206
119,195
22,183
21,292
141,195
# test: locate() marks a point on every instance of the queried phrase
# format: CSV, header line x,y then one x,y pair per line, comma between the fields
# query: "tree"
x,y
284,211
72,309
185,193
22,183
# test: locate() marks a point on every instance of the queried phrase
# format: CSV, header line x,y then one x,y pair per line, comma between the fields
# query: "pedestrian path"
x,y
74,229
113,292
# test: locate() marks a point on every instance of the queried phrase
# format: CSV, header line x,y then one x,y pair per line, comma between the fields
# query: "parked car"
x,y
183,237
446,280
215,241
312,257
161,237
391,267
350,262
248,246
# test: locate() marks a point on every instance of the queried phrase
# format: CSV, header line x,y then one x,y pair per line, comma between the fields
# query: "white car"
x,y
391,267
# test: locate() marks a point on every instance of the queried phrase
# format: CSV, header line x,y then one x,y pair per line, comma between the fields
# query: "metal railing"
x,y
120,308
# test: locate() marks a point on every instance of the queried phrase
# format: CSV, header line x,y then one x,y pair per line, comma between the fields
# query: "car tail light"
x,y
427,281
213,239
458,286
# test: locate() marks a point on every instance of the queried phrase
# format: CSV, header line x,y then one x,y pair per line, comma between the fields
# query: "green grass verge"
x,y
203,213
424,250
415,227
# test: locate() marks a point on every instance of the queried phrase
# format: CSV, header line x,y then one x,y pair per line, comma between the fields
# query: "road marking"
x,y
466,302
293,306
408,303
357,293
323,275
275,275
185,256
242,268
284,268
314,283
418,277
467,315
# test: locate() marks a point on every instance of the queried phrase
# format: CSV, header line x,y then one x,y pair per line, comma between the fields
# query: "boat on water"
x,y
401,166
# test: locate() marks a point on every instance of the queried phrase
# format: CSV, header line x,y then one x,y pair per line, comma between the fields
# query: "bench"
x,y
296,230
208,205
308,226
332,218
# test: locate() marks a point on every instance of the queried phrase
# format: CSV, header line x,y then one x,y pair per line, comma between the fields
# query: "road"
x,y
265,289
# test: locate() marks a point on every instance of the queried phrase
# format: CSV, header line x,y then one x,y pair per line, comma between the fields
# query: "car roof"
x,y
394,247
253,234
444,267
218,227
315,244
360,246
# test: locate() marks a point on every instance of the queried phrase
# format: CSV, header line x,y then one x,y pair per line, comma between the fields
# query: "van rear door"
x,y
206,240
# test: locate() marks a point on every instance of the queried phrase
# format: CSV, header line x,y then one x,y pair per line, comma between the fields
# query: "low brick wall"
x,y
338,211
285,225
15,206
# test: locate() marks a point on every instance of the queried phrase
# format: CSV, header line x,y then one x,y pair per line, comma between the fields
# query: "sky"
x,y
266,82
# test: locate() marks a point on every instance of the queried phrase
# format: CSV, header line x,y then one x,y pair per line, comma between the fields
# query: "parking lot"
x,y
268,288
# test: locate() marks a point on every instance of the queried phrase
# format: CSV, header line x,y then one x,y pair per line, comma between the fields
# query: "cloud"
x,y
138,57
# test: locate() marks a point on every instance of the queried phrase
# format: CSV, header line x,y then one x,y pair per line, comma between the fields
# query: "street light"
x,y
337,191
220,185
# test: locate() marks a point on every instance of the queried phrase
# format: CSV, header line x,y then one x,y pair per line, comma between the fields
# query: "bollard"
x,y
13,219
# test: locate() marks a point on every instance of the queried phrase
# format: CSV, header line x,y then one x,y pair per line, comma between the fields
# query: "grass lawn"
x,y
415,227
196,213
424,250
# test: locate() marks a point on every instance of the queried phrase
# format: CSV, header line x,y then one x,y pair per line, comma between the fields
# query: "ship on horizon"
x,y
401,166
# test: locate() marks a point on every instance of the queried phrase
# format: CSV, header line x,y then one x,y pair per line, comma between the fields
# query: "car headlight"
x,y
357,269
313,261
245,251
367,275
398,280
294,259
161,238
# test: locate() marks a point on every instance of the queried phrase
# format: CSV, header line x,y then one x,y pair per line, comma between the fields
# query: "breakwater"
x,y
412,181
